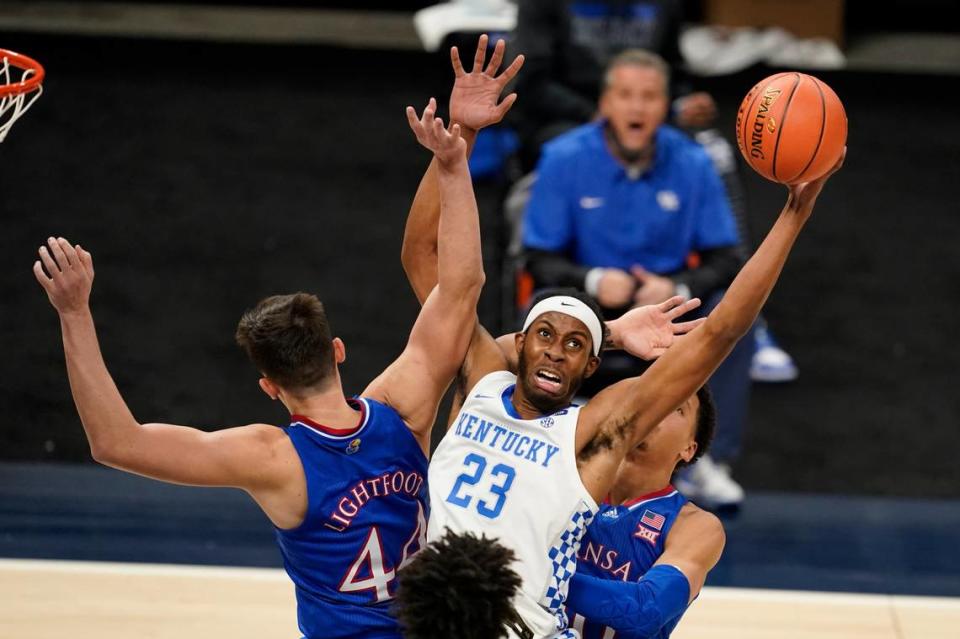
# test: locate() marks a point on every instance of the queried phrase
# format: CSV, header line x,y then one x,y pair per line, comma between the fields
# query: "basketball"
x,y
791,128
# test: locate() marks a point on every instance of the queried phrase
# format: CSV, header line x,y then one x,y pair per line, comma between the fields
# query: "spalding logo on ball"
x,y
791,128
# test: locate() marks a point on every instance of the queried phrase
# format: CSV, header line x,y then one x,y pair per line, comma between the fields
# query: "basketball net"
x,y
20,85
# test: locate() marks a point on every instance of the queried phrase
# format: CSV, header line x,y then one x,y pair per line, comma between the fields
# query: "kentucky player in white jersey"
x,y
537,499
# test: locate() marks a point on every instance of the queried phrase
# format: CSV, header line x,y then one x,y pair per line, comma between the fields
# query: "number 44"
x,y
371,562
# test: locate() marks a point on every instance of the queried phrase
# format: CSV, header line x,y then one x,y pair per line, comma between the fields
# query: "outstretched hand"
x,y
473,101
447,144
70,276
802,196
648,331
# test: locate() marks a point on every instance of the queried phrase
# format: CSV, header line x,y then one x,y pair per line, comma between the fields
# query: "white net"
x,y
13,105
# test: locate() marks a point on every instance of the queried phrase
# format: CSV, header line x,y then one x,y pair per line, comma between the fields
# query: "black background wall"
x,y
204,177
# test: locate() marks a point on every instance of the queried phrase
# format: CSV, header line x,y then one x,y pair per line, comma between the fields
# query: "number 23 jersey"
x,y
515,480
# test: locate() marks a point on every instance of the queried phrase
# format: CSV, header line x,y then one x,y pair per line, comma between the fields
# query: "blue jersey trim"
x,y
507,398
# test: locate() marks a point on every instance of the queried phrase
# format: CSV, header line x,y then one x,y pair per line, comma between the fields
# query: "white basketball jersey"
x,y
515,480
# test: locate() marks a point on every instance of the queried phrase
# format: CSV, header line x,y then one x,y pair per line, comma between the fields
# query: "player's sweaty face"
x,y
634,104
557,350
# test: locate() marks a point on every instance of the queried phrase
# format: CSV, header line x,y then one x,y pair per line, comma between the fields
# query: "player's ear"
x,y
339,351
518,340
272,390
687,453
591,366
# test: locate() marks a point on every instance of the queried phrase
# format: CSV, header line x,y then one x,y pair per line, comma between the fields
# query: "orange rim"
x,y
27,64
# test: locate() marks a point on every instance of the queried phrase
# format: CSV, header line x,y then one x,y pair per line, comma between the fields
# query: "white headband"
x,y
574,308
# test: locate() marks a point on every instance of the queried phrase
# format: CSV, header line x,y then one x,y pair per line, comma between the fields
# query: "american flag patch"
x,y
652,519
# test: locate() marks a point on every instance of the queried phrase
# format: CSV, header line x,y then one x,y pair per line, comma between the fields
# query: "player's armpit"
x,y
694,546
508,348
481,360
487,355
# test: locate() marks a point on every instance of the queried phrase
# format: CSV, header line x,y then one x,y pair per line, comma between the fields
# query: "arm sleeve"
x,y
636,610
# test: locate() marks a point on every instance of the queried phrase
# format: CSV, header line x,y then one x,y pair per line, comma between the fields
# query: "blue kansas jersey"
x,y
623,542
366,518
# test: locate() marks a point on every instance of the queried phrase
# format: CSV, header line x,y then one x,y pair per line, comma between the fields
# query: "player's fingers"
x,y
455,61
670,303
86,259
680,328
429,111
496,58
836,167
69,251
510,72
455,132
48,262
683,307
58,253
41,276
412,119
480,54
504,106
438,129
686,307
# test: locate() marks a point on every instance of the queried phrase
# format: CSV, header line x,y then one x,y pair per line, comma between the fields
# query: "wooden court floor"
x,y
42,599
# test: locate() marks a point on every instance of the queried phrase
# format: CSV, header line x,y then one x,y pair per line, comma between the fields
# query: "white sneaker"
x,y
770,362
709,484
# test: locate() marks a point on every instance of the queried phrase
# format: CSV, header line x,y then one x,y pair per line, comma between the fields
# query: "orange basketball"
x,y
791,128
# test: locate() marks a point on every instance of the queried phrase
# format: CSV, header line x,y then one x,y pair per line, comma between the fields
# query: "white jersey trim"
x,y
647,501
351,435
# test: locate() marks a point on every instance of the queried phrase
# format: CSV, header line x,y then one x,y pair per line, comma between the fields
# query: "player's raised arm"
x,y
622,415
416,381
240,457
474,104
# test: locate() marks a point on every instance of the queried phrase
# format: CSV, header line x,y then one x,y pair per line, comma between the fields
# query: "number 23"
x,y
500,471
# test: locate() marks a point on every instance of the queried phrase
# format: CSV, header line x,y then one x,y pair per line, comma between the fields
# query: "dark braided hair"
x,y
460,586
